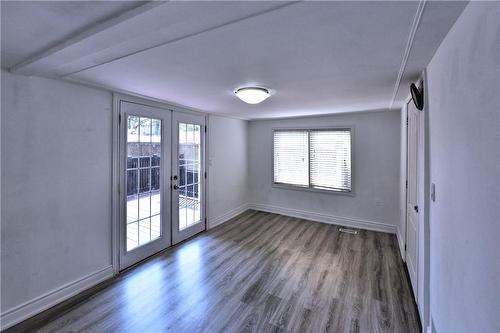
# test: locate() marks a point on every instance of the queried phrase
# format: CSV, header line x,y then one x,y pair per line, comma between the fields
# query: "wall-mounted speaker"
x,y
418,96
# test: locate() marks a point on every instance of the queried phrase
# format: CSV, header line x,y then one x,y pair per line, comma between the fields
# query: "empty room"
x,y
250,166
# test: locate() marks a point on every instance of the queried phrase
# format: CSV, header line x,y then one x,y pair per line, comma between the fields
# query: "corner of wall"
x,y
401,243
216,221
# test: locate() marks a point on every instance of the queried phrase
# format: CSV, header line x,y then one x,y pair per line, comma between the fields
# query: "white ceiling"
x,y
317,57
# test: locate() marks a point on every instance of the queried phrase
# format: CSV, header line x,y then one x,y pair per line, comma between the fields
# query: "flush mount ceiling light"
x,y
252,95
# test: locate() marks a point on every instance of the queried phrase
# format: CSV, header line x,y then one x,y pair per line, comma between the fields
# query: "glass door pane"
x,y
188,217
145,168
189,175
143,180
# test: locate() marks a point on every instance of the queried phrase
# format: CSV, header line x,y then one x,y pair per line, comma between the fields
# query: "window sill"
x,y
309,189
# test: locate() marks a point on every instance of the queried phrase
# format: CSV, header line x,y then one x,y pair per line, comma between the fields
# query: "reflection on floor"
x,y
259,272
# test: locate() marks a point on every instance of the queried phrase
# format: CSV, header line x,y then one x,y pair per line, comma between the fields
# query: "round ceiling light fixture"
x,y
252,95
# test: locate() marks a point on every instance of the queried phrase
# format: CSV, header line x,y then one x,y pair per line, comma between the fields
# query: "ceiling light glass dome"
x,y
252,95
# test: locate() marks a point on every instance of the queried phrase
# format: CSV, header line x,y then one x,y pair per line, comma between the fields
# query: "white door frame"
x,y
128,258
423,274
115,178
180,235
412,263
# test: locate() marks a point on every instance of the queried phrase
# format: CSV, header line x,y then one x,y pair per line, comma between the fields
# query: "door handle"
x,y
176,187
416,208
174,177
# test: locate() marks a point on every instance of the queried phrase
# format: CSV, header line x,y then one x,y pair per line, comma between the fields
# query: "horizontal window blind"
x,y
330,155
291,157
319,159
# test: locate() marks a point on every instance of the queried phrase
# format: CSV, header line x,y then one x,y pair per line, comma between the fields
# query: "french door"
x,y
145,185
162,183
188,176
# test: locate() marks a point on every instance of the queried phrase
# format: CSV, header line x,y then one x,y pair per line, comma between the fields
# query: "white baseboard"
x,y
215,221
326,218
401,244
33,307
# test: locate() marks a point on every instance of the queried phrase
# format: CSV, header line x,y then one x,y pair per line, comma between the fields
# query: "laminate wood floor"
x,y
260,272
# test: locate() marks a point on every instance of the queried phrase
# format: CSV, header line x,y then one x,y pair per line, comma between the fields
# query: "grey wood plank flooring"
x,y
259,272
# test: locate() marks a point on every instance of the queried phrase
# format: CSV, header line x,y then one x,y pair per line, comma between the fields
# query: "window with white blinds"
x,y
318,159
291,157
330,152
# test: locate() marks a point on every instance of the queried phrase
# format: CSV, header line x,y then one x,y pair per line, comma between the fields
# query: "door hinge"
x,y
205,220
119,118
406,184
205,175
205,128
406,121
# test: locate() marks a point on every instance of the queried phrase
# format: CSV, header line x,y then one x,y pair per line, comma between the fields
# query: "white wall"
x,y
56,188
464,102
376,172
227,168
56,185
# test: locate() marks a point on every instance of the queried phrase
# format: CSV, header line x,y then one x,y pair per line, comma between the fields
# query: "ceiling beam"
x,y
189,35
28,66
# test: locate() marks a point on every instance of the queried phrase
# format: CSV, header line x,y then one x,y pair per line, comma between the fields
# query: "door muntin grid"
x,y
189,170
143,181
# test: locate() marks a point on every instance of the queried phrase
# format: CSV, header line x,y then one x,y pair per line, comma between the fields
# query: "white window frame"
x,y
309,188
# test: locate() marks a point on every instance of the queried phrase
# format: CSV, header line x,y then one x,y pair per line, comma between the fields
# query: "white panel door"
x,y
145,169
188,175
412,196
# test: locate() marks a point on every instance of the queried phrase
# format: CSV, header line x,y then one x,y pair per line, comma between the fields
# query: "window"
x,y
314,159
291,157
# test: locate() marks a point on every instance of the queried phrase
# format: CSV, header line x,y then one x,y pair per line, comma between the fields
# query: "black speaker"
x,y
417,96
